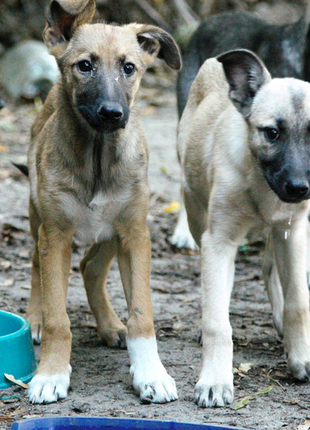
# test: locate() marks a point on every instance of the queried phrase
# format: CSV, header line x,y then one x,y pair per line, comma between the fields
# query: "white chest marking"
x,y
95,223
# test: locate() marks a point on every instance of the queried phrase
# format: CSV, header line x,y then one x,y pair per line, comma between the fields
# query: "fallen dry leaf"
x,y
245,367
6,418
38,104
6,265
31,416
9,282
3,148
173,207
18,411
246,399
5,173
149,110
16,381
178,326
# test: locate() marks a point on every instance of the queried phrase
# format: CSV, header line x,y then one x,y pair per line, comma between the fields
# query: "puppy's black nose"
x,y
110,111
297,189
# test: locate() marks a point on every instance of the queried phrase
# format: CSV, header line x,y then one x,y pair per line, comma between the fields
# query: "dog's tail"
x,y
187,75
23,168
306,15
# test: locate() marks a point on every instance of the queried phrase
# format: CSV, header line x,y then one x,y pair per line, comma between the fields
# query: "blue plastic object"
x,y
93,423
16,349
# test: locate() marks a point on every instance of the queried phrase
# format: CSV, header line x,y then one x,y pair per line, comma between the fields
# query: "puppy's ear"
x,y
63,17
245,74
156,42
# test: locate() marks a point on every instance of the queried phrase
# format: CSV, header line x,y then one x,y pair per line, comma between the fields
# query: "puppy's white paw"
x,y
183,240
150,378
297,348
207,396
182,237
300,369
49,388
154,386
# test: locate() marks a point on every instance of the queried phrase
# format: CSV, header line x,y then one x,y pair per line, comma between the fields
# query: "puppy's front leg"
x,y
215,385
52,378
291,260
150,378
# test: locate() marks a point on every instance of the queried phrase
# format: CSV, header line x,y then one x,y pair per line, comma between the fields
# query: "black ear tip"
x,y
175,55
174,62
178,62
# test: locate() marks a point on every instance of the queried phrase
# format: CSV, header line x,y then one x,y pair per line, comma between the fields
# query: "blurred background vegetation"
x,y
28,72
24,19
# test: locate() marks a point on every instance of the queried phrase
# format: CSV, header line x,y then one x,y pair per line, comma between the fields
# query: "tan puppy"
x,y
88,176
244,144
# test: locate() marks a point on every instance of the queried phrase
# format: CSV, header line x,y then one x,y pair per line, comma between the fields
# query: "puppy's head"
x,y
102,65
277,112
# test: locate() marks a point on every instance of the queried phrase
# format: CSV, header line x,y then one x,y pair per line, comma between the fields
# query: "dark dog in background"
x,y
285,49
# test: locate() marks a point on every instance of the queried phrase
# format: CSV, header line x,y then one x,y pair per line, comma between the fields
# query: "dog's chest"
x,y
272,211
94,223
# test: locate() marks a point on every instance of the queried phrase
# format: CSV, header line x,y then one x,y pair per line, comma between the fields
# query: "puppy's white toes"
x,y
49,388
149,377
163,391
207,396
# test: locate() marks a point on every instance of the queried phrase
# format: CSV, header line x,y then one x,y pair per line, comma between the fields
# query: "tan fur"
x,y
66,198
226,195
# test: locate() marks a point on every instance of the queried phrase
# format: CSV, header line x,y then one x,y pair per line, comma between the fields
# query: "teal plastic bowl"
x,y
16,349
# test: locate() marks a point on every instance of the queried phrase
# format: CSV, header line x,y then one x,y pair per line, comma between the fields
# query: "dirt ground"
x,y
100,384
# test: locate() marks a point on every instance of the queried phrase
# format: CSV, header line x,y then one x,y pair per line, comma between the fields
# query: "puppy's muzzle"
x,y
297,189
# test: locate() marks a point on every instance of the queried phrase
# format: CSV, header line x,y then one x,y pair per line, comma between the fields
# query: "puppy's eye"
x,y
129,68
84,66
271,134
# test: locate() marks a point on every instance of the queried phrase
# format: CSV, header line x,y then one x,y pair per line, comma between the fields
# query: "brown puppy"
x,y
88,177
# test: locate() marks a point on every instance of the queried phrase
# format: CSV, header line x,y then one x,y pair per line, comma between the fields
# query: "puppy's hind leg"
x,y
273,284
34,311
95,268
182,237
